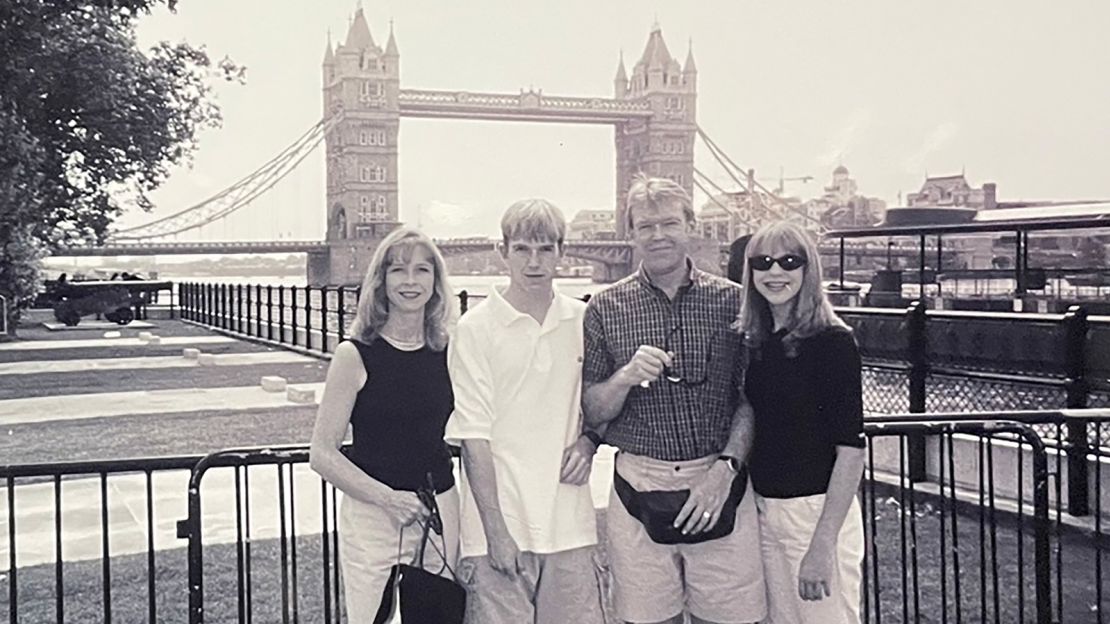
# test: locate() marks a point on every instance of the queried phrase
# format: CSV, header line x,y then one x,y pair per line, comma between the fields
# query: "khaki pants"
x,y
368,549
786,527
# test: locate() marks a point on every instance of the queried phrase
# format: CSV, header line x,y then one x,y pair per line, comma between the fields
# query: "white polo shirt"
x,y
518,384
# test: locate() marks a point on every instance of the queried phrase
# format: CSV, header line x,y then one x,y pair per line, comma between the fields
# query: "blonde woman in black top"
x,y
803,383
390,384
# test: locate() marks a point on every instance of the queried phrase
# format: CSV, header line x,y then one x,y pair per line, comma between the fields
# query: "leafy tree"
x,y
86,117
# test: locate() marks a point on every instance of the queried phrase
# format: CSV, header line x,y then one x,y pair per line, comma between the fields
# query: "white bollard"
x,y
300,395
145,335
206,359
190,353
273,383
112,334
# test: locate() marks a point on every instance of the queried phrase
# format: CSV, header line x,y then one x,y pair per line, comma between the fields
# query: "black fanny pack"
x,y
657,510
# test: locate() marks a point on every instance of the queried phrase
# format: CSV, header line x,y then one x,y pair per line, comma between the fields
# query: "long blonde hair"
x,y
811,312
373,304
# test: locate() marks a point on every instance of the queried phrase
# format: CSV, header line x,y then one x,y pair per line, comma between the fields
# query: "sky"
x,y
1009,91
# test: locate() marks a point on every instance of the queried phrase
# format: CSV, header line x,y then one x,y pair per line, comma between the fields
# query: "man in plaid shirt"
x,y
662,377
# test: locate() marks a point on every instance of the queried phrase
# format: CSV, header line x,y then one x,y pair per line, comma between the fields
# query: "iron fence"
x,y
916,360
985,535
80,493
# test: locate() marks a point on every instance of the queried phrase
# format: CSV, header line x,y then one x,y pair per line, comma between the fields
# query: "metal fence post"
x,y
248,303
281,313
918,357
239,308
293,315
324,319
258,310
1075,328
308,317
269,312
225,296
341,304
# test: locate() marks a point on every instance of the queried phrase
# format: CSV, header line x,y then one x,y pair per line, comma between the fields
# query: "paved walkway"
x,y
157,361
92,343
106,404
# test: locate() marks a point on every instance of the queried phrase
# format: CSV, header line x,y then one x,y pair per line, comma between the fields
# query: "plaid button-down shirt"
x,y
669,420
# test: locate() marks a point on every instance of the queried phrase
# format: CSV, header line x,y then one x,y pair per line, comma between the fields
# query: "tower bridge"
x,y
652,112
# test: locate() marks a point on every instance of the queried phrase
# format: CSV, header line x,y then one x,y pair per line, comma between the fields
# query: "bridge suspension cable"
x,y
234,197
731,168
713,198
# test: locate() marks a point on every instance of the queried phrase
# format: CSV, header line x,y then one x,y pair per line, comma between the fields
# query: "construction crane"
x,y
782,180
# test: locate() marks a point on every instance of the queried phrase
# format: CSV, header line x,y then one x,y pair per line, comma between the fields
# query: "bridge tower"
x,y
662,145
361,87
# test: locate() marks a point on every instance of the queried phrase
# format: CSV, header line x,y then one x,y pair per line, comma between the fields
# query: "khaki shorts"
x,y
552,588
786,526
369,541
719,580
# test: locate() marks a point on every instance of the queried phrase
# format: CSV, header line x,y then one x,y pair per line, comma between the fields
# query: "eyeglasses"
x,y
671,373
427,496
789,262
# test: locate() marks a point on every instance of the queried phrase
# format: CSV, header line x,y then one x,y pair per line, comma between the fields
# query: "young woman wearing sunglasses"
x,y
803,383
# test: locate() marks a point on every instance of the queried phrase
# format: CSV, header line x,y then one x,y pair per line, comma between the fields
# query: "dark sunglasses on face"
x,y
789,262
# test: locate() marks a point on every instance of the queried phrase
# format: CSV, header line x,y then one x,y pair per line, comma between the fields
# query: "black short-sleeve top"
x,y
805,406
399,417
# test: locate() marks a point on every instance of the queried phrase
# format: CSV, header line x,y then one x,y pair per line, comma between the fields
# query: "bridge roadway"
x,y
529,105
602,250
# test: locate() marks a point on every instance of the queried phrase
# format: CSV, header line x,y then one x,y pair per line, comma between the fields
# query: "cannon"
x,y
118,301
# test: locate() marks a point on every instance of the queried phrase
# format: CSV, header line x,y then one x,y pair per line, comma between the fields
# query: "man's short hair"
x,y
655,193
533,220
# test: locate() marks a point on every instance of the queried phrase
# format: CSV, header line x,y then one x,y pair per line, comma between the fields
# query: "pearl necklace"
x,y
400,343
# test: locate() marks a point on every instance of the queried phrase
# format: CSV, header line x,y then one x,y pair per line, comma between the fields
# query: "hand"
x,y
577,461
645,365
504,555
703,508
816,572
405,507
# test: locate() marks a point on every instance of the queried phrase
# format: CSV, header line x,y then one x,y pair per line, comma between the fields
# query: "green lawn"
x,y
84,600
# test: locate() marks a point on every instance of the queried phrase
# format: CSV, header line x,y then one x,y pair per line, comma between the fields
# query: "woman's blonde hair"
x,y
373,303
811,312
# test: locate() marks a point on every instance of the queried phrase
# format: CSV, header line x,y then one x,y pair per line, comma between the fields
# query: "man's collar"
x,y
506,314
693,275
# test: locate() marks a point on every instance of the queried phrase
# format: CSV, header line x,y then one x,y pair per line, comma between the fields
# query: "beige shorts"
x,y
719,580
551,588
368,547
786,526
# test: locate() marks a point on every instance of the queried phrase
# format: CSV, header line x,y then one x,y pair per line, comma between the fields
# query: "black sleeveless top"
x,y
399,416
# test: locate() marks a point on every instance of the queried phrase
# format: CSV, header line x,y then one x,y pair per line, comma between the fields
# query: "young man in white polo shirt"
x,y
528,535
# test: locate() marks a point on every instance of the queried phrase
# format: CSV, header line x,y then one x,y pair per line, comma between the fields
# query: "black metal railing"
x,y
38,592
986,522
916,360
984,535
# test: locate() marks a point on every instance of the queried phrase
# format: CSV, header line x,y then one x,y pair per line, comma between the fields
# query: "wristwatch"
x,y
592,436
733,464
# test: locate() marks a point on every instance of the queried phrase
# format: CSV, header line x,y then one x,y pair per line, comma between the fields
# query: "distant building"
x,y
728,216
842,206
592,225
953,191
